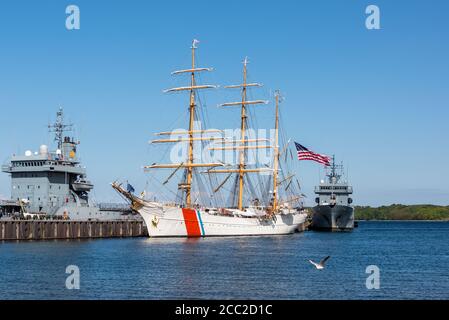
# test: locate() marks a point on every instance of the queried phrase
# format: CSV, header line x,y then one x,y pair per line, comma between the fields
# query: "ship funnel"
x,y
69,149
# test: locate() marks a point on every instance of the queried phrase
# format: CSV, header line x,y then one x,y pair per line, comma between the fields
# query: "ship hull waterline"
x,y
172,221
333,218
190,223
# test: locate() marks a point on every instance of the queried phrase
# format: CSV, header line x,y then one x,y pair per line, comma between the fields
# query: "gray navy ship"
x,y
334,210
53,184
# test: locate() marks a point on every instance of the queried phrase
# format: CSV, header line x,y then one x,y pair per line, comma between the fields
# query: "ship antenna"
x,y
59,127
333,166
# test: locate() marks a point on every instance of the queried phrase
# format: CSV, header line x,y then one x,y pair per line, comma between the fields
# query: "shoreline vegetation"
x,y
403,212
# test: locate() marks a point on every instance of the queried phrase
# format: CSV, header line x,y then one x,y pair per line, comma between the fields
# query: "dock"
x,y
11,230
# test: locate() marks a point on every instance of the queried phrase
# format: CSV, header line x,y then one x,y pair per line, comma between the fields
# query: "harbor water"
x,y
413,259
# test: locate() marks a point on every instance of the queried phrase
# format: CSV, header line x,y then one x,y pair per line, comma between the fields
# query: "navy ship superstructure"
x,y
334,210
53,183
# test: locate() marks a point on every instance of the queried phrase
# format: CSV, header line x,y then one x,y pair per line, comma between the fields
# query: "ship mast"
x,y
59,127
333,171
242,136
190,164
243,142
276,156
333,167
188,187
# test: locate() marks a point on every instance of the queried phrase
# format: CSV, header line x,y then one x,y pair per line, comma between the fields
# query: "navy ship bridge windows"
x,y
333,188
18,164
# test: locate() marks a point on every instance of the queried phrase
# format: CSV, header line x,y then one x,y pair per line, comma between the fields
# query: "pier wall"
x,y
49,229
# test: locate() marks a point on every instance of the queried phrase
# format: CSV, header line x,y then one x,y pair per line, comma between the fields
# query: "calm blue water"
x,y
413,258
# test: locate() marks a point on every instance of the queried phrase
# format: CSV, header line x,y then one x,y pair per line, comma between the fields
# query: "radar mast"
x,y
59,127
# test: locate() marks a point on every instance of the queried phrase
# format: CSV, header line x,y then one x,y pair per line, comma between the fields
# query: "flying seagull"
x,y
321,265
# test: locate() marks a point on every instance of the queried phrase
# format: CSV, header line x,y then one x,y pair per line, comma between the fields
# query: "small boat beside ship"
x,y
262,198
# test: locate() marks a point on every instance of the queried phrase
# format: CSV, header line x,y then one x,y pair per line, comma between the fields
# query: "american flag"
x,y
306,154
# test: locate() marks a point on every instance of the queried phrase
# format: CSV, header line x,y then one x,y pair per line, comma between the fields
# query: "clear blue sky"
x,y
378,99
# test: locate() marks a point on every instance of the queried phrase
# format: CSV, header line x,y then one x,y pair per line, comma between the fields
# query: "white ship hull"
x,y
179,222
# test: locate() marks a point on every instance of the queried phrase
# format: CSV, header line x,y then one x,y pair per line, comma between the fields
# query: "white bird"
x,y
321,265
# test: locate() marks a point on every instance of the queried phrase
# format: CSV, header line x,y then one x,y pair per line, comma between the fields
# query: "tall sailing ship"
x,y
261,199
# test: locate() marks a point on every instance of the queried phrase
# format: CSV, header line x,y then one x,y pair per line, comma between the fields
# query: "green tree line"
x,y
403,212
